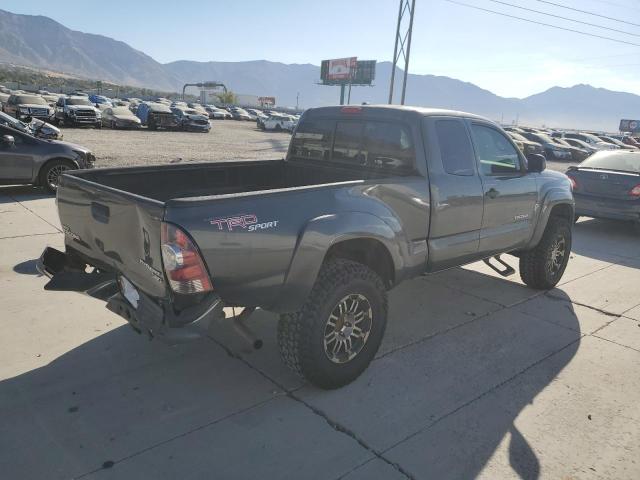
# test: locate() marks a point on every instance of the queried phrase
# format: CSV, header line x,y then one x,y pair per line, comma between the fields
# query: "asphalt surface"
x,y
477,377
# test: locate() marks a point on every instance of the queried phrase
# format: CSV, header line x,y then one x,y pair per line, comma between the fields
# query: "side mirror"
x,y
536,163
8,140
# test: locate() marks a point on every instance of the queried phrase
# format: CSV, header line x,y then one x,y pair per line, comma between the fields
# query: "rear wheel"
x,y
51,172
543,267
336,334
278,128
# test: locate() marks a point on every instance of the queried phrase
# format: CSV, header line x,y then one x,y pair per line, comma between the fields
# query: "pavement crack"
x,y
350,433
481,395
30,235
615,343
112,463
291,393
554,296
28,209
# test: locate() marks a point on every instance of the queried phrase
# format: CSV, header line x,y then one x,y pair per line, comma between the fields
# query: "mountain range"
x,y
38,41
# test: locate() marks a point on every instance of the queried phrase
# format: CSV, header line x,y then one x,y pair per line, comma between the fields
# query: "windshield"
x,y
122,111
30,99
517,136
625,161
541,137
79,101
12,122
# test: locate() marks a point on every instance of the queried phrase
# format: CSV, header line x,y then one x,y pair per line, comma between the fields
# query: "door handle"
x,y
492,193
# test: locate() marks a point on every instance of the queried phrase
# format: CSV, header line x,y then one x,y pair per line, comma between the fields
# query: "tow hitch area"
x,y
69,274
505,272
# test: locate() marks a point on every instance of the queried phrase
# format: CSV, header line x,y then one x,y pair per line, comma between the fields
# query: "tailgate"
x,y
114,229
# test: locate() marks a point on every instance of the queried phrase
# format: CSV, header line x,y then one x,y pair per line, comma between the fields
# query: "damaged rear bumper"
x,y
150,316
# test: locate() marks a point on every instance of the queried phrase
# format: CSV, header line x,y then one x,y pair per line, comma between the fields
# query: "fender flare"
x,y
319,235
554,197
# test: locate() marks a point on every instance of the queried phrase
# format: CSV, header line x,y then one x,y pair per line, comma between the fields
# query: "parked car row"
x,y
97,111
568,145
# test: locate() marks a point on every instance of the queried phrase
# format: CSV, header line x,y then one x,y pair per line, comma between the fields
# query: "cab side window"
x,y
496,154
455,148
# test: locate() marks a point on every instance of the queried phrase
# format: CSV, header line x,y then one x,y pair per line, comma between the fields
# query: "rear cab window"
x,y
372,144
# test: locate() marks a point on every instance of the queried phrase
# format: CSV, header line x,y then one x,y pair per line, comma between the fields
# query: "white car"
x,y
279,123
216,113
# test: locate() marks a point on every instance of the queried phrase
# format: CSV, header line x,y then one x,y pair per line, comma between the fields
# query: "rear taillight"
x,y
182,262
635,191
574,184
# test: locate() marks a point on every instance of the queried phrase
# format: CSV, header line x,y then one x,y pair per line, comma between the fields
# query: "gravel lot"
x,y
228,140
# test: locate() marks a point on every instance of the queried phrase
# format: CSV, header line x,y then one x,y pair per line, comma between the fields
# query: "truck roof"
x,y
387,110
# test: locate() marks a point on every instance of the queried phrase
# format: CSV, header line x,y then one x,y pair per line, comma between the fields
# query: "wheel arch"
x,y
357,236
557,202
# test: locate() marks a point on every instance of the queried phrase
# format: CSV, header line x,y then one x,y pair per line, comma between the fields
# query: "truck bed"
x,y
206,179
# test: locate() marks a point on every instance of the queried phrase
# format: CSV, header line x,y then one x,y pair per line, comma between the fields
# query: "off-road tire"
x,y
301,334
534,264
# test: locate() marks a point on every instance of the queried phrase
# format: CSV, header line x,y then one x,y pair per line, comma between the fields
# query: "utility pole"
x,y
402,45
297,100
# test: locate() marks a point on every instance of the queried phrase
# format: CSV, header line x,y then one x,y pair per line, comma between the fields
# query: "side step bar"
x,y
505,272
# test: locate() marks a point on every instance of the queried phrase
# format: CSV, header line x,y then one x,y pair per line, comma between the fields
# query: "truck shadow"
x,y
118,394
25,192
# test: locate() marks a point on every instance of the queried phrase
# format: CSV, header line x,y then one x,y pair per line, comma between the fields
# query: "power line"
x,y
542,23
588,13
620,5
564,18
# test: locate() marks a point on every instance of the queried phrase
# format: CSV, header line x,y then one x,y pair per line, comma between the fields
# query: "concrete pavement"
x,y
478,376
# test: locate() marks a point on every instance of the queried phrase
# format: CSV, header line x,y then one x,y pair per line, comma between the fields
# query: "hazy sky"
x,y
504,55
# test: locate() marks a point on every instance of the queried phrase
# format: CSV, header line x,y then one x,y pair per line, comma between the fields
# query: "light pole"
x,y
402,46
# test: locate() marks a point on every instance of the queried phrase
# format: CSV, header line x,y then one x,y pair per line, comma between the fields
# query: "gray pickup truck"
x,y
366,197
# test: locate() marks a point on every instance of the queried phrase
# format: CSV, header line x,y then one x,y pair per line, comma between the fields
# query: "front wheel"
x,y
50,174
543,267
336,334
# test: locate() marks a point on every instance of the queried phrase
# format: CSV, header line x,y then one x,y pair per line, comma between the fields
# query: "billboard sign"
x,y
632,126
362,72
267,101
341,68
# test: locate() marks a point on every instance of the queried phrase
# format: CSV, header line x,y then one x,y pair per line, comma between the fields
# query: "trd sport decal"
x,y
248,222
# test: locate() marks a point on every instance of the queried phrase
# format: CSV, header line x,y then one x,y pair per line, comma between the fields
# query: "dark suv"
x,y
25,107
